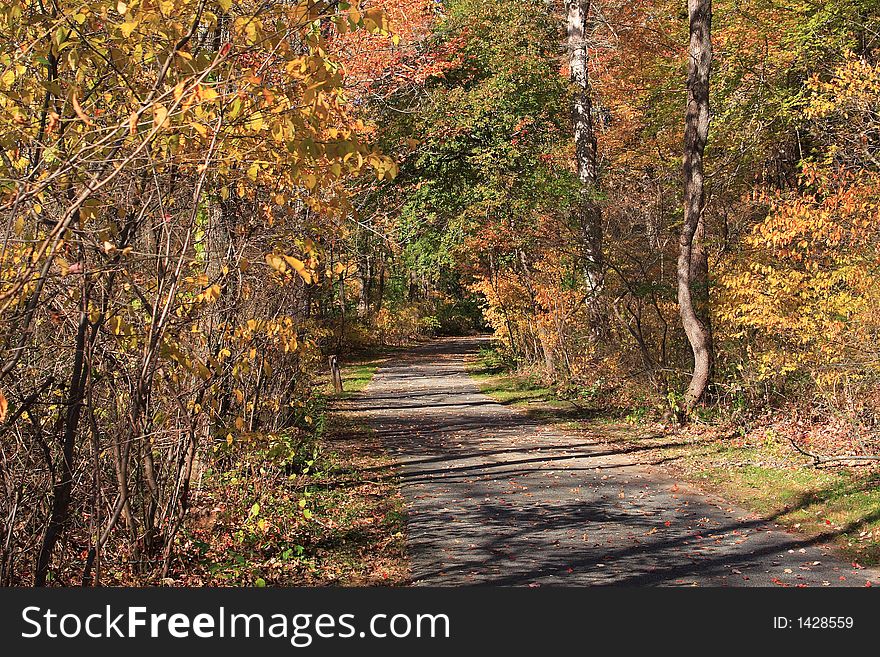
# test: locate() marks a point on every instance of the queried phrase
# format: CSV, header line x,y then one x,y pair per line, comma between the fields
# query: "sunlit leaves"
x,y
285,263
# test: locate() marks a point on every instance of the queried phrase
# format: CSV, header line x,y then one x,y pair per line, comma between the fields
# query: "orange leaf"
x,y
79,110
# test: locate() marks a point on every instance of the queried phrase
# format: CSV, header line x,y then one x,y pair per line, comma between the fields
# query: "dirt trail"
x,y
494,497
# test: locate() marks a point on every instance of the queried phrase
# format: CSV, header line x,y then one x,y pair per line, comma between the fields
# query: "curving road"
x,y
496,498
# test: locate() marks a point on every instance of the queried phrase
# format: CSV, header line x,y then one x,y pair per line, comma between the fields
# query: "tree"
x,y
692,266
168,172
588,212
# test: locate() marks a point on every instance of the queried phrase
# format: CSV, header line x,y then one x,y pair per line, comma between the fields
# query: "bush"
x,y
406,323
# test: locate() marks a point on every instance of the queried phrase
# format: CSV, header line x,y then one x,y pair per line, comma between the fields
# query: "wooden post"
x,y
335,373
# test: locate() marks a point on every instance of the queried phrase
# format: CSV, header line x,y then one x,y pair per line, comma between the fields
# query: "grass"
x,y
355,378
360,539
525,392
357,371
336,519
761,473
366,543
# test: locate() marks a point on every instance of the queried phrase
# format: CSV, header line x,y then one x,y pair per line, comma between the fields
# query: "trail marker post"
x,y
335,373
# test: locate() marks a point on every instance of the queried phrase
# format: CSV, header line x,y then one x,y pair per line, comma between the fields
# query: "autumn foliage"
x,y
203,199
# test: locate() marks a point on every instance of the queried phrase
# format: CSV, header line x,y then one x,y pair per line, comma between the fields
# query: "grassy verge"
x,y
355,378
300,509
359,538
760,472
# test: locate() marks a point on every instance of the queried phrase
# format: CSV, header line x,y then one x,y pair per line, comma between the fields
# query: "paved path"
x,y
494,497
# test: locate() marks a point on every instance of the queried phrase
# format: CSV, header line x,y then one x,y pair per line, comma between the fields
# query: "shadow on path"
x,y
495,497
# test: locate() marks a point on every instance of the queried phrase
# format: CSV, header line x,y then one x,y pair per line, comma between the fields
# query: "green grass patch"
x,y
356,375
843,504
528,393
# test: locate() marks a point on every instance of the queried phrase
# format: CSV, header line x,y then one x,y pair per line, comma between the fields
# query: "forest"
x,y
666,212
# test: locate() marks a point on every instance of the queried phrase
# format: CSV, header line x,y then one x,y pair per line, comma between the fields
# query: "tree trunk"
x,y
692,263
380,294
588,213
63,485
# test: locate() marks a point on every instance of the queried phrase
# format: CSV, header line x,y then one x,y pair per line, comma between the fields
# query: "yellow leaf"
x,y
276,262
208,94
203,372
278,132
4,406
160,116
256,122
128,27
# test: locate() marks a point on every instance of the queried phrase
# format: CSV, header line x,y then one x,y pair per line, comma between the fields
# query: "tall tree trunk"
x,y
692,262
588,213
